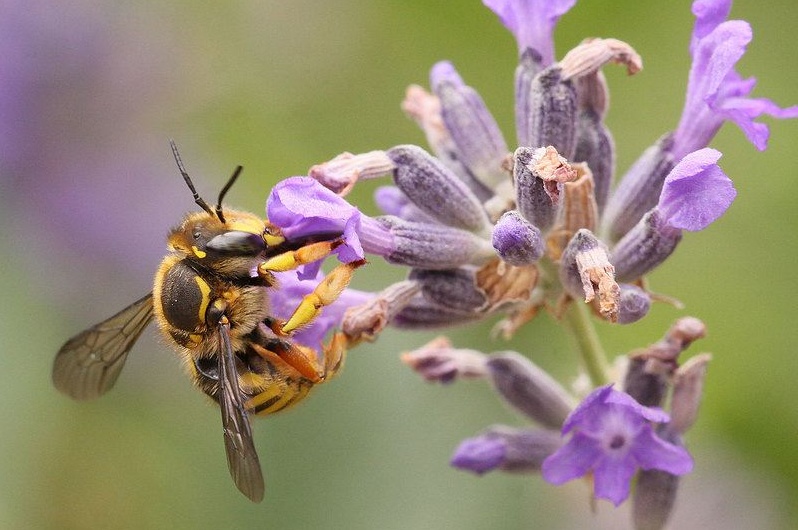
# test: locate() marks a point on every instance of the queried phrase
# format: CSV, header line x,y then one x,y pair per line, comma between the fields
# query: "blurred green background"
x,y
88,188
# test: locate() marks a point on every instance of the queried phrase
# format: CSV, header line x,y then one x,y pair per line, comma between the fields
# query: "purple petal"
x,y
652,452
585,408
714,58
612,478
708,15
743,111
572,460
480,454
696,192
302,207
715,92
625,400
531,22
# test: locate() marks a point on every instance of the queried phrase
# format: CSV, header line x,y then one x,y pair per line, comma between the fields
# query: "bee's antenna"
x,y
224,191
200,202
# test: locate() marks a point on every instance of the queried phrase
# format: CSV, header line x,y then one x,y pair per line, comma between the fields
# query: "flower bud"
x,y
529,389
688,387
654,499
634,305
453,288
478,140
367,320
438,361
436,190
420,313
425,109
539,175
342,172
432,246
529,64
644,247
506,448
516,240
552,116
594,143
639,189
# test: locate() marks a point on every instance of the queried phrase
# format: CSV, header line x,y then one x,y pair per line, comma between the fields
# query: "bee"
x,y
210,300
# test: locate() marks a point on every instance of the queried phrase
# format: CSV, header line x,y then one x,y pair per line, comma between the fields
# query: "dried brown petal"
x,y
688,387
366,321
438,361
578,211
592,54
505,284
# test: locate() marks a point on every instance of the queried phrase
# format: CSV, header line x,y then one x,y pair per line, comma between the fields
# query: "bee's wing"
x,y
89,363
242,460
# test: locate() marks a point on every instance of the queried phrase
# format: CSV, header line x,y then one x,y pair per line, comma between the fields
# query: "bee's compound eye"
x,y
207,367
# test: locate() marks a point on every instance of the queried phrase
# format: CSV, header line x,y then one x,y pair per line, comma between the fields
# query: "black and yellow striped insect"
x,y
211,301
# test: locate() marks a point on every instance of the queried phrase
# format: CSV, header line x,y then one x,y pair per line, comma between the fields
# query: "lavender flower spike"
x,y
612,436
696,193
715,91
532,23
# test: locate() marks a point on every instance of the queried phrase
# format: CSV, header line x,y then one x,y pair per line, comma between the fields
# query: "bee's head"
x,y
214,233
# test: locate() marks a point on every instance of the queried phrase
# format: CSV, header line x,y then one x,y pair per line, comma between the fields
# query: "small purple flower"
x,y
612,437
695,194
302,207
532,23
715,91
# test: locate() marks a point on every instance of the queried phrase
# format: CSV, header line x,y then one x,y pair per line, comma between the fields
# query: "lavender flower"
x,y
612,436
488,228
695,194
715,93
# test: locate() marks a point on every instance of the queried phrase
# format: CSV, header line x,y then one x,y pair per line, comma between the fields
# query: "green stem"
x,y
579,320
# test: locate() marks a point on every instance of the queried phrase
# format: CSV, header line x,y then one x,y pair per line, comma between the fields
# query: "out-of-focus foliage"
x,y
92,91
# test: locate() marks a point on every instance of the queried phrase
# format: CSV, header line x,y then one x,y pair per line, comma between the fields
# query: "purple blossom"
x,y
696,193
302,207
532,23
715,91
612,437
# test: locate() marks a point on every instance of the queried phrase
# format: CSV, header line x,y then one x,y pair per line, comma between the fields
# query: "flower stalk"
x,y
579,320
